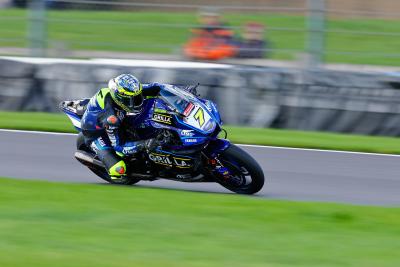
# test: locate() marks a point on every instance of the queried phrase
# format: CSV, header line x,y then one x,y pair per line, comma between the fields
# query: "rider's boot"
x,y
117,172
115,166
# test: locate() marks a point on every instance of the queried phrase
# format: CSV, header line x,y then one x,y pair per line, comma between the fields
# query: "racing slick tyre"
x,y
246,175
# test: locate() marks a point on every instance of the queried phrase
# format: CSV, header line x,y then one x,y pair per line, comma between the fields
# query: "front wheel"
x,y
246,175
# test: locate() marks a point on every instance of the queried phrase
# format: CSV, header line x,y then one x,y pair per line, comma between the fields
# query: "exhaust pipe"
x,y
87,159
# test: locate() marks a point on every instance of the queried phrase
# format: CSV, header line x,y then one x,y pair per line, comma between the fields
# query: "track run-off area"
x,y
293,174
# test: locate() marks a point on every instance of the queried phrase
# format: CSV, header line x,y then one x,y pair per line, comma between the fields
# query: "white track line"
x,y
244,145
35,132
323,150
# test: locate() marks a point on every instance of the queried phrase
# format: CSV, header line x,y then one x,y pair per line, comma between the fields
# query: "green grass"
x,y
52,122
115,31
53,224
275,137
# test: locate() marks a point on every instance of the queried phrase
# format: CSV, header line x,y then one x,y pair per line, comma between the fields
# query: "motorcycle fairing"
x,y
74,110
216,147
191,129
189,136
76,120
169,159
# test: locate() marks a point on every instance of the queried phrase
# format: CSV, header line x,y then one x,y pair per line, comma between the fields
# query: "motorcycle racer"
x,y
104,115
178,129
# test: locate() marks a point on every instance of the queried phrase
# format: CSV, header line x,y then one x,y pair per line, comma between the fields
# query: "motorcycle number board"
x,y
198,118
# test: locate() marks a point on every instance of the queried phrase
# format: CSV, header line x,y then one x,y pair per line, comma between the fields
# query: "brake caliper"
x,y
219,169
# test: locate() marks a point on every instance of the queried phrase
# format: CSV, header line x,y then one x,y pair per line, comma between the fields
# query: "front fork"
x,y
214,165
218,169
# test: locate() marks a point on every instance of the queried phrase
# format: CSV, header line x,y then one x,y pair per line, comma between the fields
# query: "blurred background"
x,y
299,64
313,65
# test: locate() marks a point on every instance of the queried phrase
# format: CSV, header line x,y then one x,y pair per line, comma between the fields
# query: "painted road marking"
x,y
243,145
35,132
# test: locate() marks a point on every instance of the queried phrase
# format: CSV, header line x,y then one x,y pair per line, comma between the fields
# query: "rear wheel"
x,y
102,172
246,175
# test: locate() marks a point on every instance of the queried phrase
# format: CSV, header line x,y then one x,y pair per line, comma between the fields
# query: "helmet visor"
x,y
130,103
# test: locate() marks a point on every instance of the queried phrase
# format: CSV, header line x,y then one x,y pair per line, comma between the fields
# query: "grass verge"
x,y
54,224
166,32
275,137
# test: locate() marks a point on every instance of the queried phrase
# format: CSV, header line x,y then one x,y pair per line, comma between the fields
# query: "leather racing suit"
x,y
101,124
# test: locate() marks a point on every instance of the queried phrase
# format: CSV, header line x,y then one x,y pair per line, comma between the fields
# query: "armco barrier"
x,y
260,97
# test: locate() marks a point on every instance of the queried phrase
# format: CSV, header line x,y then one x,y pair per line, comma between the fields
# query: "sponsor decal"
x,y
182,162
169,160
184,176
101,142
188,109
162,118
112,137
209,106
129,150
188,133
160,159
94,147
191,140
158,110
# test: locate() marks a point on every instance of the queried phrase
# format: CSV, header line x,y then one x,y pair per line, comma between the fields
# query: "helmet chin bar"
x,y
135,111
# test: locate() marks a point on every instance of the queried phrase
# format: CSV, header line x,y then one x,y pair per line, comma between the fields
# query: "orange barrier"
x,y
209,48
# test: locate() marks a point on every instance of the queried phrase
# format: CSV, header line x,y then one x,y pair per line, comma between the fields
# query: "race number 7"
x,y
199,116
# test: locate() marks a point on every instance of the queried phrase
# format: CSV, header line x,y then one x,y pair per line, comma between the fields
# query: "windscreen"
x,y
177,98
185,103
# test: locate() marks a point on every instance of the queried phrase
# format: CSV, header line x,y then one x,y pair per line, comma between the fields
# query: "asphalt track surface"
x,y
293,174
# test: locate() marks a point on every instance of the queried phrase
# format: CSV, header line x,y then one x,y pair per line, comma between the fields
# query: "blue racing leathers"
x,y
101,124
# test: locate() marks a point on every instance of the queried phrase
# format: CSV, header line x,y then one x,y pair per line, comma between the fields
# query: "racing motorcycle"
x,y
182,139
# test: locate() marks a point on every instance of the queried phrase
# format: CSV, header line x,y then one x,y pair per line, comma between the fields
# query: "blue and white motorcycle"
x,y
182,143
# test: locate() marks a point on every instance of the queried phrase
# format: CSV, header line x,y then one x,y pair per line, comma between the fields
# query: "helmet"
x,y
126,91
